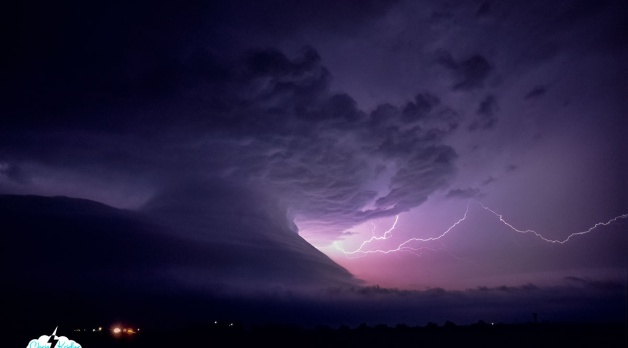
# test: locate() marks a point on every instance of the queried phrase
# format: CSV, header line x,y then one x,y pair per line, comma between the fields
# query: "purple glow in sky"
x,y
281,136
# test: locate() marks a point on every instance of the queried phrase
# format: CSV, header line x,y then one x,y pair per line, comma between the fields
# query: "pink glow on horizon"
x,y
395,255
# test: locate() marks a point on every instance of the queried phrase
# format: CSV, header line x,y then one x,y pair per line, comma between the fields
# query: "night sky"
x,y
314,162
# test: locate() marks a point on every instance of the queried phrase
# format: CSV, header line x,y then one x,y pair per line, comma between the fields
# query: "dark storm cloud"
x,y
420,108
486,114
536,92
575,11
149,104
501,303
484,9
277,16
71,57
259,117
230,135
194,237
432,167
67,59
469,73
597,284
141,101
489,180
314,152
441,16
14,173
512,167
215,271
194,251
464,193
488,106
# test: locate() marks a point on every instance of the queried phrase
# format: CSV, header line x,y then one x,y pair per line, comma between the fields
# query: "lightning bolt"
x,y
553,241
373,238
53,339
406,245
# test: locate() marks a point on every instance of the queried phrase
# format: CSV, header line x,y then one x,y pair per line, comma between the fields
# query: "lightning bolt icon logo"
x,y
407,245
54,339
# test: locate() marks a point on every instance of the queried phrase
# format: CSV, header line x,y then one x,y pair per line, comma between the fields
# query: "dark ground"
x,y
226,334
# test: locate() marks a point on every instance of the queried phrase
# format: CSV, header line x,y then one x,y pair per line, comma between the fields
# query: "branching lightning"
x,y
386,235
559,241
407,244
